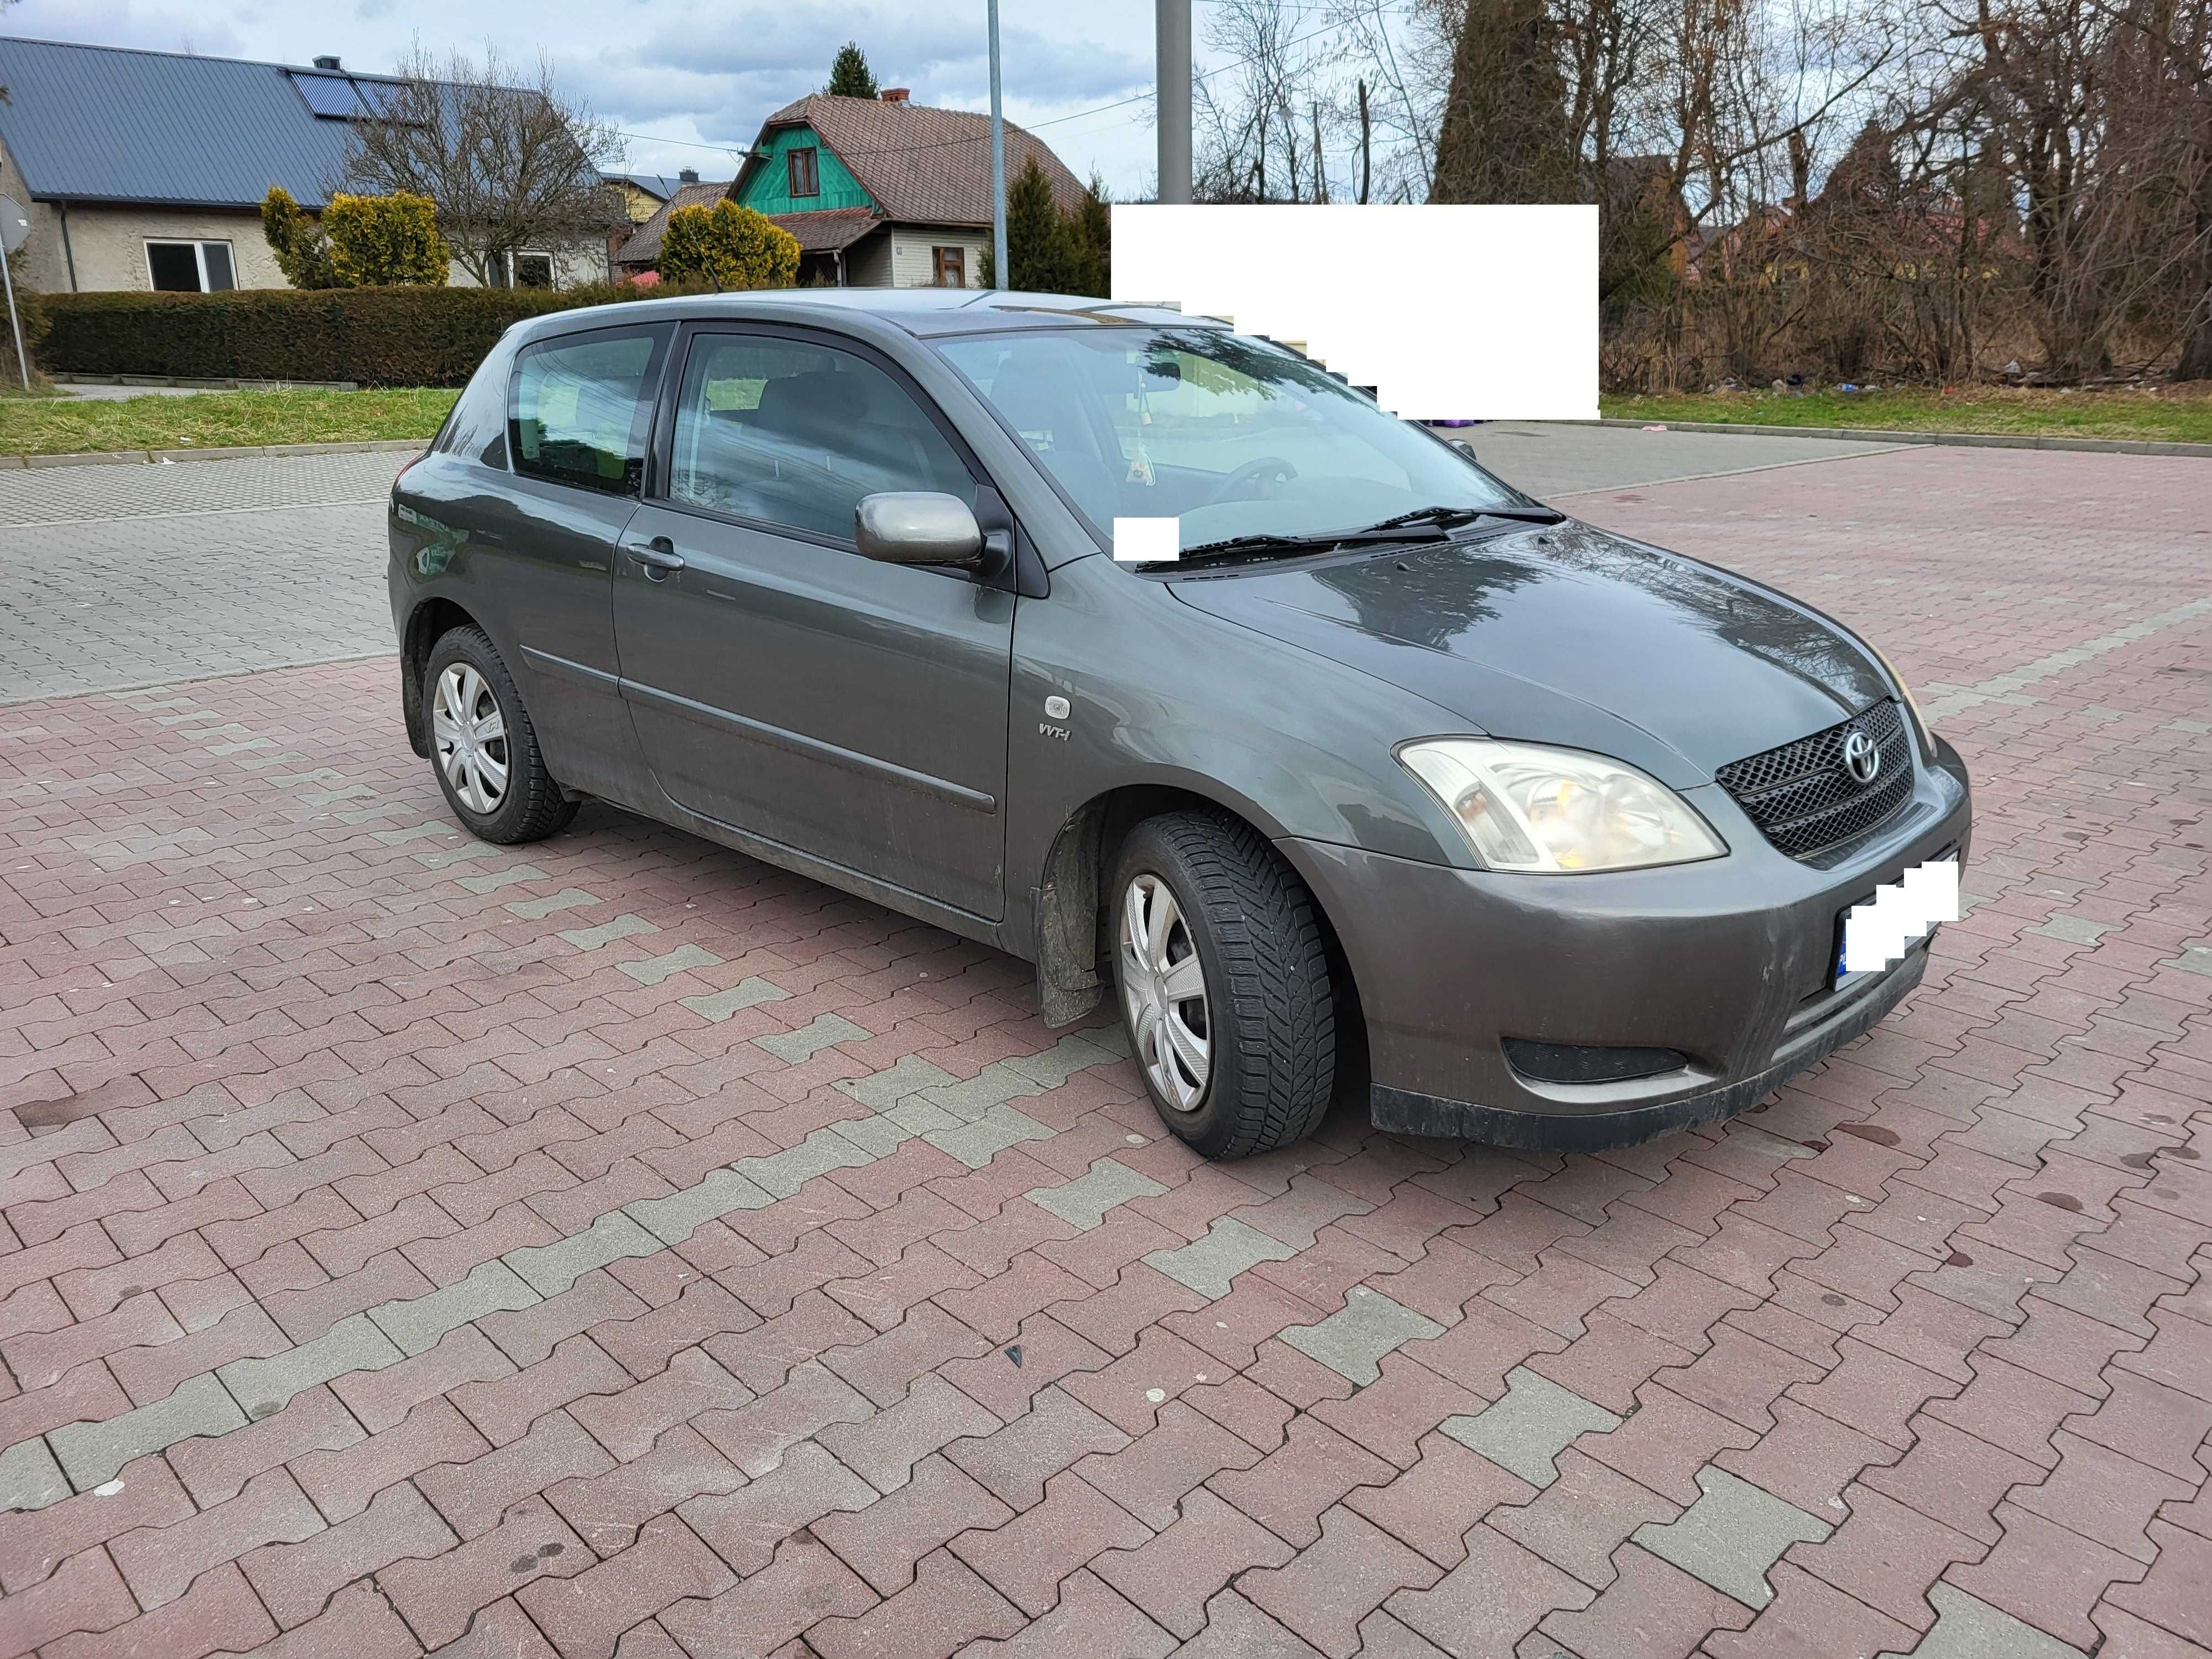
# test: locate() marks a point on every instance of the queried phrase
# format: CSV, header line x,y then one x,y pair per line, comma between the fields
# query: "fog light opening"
x,y
1574,1062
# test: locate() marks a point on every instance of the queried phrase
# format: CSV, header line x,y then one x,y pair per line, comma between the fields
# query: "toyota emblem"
x,y
1862,758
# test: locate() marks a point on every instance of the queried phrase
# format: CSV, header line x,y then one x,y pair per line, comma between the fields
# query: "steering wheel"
x,y
1266,466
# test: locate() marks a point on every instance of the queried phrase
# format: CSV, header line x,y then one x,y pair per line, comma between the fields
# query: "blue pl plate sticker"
x,y
1877,932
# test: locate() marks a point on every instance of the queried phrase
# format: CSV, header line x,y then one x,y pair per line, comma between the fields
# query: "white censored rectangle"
x,y
1147,541
1450,312
1876,933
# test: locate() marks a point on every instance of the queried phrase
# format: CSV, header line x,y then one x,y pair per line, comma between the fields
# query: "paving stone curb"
x,y
223,453
1963,440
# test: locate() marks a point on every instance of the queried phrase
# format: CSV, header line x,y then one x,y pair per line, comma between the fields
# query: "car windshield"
x,y
1238,440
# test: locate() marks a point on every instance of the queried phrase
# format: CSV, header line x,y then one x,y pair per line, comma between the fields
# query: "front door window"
x,y
792,434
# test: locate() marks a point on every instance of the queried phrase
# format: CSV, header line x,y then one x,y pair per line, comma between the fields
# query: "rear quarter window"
x,y
582,407
477,428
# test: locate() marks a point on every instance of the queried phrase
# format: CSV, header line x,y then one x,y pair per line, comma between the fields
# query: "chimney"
x,y
896,95
326,62
688,176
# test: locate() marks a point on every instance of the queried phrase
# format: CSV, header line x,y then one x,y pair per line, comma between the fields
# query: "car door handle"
x,y
659,557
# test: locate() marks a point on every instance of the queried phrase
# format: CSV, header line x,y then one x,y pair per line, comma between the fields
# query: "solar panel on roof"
x,y
381,97
331,96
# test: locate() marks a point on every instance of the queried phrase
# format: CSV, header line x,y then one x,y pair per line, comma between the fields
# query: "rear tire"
x,y
1238,1052
482,746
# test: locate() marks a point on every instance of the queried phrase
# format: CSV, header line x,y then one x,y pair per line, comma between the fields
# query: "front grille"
x,y
1805,800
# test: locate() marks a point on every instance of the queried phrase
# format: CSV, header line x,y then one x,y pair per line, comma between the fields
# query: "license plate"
x,y
1878,932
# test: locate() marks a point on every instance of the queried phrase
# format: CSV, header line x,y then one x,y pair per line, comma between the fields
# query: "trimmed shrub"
x,y
296,242
379,241
413,335
733,246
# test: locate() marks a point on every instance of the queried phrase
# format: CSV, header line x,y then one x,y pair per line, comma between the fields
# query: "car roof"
x,y
924,313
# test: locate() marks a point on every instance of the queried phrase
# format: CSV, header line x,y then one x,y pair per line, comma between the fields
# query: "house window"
x,y
190,267
529,271
805,172
948,267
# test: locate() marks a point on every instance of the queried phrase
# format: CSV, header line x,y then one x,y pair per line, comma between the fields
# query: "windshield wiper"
x,y
1423,523
1446,517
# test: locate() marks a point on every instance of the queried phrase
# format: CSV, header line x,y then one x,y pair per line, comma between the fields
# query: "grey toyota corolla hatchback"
x,y
1394,781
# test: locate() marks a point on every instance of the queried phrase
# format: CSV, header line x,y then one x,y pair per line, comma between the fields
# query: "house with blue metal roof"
x,y
147,169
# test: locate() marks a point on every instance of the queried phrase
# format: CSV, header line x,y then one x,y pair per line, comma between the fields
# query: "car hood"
x,y
1567,634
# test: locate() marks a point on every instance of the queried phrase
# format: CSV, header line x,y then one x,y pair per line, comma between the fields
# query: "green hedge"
x,y
375,335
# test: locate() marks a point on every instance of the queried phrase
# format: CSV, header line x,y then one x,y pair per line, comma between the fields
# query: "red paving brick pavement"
x,y
614,1247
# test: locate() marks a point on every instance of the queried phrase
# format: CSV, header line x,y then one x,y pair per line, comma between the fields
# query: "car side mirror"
x,y
917,527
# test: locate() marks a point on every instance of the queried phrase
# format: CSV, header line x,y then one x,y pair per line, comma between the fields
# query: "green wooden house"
x,y
884,192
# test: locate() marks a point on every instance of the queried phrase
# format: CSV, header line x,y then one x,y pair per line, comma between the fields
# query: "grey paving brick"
x,y
674,1219
2195,959
2075,929
29,1477
879,1136
1732,1536
1071,1053
537,909
91,1453
398,837
445,857
823,1031
650,970
332,797
383,809
977,1143
748,993
625,926
993,1086
2197,727
1527,1431
1210,1265
781,1174
550,1269
1353,1340
354,1344
1967,1627
494,880
1083,1201
418,1323
880,1090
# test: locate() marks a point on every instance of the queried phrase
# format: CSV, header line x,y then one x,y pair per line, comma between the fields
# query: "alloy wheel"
x,y
1164,986
469,734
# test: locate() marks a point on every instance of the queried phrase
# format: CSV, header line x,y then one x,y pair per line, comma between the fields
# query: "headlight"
x,y
1558,810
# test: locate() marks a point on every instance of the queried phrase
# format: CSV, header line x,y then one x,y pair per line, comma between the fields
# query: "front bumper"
x,y
1729,962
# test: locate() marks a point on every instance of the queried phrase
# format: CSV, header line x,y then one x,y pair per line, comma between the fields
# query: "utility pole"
x,y
1172,35
998,274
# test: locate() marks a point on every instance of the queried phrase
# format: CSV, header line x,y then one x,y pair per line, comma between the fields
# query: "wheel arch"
x,y
1069,902
428,623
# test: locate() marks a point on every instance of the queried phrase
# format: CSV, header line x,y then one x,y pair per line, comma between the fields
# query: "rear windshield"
x,y
1232,436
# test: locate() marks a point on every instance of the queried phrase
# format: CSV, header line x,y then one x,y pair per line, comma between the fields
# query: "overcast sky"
x,y
669,70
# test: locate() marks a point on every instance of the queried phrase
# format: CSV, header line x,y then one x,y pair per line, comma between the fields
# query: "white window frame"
x,y
199,245
552,266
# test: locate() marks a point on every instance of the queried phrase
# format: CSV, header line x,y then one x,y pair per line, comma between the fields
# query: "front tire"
x,y
483,747
1219,959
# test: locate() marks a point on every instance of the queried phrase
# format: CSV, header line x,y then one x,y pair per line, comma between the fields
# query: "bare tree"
x,y
512,162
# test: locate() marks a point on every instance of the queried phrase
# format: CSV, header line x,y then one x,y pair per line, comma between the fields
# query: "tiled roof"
x,y
923,166
828,229
643,248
